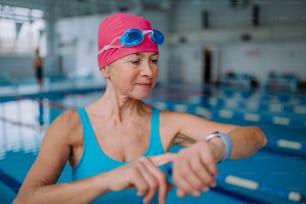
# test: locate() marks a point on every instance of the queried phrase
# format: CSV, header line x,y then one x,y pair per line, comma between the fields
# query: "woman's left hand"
x,y
194,169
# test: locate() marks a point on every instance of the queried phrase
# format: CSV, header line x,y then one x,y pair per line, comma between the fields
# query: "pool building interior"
x,y
238,62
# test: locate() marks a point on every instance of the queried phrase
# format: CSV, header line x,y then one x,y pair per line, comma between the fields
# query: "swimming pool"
x,y
274,173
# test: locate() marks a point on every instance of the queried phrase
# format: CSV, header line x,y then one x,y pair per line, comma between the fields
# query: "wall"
x,y
187,15
16,68
259,59
183,67
77,45
278,43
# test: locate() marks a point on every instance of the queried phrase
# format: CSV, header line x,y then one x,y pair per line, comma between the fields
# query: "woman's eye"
x,y
135,61
155,61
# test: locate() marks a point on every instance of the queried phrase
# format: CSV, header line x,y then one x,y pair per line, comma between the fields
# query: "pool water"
x,y
267,177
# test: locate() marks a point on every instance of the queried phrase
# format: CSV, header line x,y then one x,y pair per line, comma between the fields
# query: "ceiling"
x,y
54,9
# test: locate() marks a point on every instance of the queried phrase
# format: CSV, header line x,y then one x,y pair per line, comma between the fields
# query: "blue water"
x,y
277,170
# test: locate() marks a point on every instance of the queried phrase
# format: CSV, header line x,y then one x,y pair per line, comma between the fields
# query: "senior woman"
x,y
117,146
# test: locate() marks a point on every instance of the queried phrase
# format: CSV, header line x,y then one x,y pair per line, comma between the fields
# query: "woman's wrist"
x,y
221,145
217,147
103,182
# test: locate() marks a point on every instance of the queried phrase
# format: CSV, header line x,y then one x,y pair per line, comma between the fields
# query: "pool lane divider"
x,y
287,147
51,93
252,185
281,119
193,108
290,144
18,123
256,186
52,104
248,184
279,144
9,181
55,104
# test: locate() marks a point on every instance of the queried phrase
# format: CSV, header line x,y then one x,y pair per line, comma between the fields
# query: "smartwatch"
x,y
227,142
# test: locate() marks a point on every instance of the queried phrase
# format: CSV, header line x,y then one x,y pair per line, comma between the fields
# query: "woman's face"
x,y
134,75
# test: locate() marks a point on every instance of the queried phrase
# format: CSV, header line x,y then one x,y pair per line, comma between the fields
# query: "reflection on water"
x,y
23,124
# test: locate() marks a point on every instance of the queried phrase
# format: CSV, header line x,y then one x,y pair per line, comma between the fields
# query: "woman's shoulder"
x,y
67,124
68,119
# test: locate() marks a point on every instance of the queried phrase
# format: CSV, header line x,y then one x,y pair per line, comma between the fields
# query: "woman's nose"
x,y
147,69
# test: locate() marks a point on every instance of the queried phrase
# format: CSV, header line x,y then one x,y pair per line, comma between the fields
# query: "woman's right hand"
x,y
143,174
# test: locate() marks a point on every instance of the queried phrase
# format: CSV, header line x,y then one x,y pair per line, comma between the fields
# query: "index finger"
x,y
163,158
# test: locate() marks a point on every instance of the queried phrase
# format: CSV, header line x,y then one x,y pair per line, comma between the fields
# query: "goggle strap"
x,y
147,31
109,46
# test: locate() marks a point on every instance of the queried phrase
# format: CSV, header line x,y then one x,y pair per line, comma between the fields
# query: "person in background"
x,y
38,66
118,145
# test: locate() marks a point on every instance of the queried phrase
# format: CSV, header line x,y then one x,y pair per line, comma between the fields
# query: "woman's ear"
x,y
105,73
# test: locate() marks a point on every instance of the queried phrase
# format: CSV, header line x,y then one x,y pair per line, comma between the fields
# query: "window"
x,y
22,30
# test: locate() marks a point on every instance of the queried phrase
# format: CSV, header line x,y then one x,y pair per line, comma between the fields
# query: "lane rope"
x,y
9,181
252,185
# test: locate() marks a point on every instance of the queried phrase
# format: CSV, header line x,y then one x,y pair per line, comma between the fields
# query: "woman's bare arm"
x,y
40,183
142,174
194,168
246,140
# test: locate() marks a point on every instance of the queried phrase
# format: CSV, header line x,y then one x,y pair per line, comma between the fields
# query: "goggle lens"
x,y
157,37
132,37
135,36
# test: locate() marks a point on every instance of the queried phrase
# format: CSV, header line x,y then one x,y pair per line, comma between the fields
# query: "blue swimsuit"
x,y
94,161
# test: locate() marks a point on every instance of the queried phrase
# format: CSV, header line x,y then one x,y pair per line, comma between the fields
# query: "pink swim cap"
x,y
114,26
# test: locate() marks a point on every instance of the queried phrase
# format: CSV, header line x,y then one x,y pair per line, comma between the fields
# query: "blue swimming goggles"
x,y
133,37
